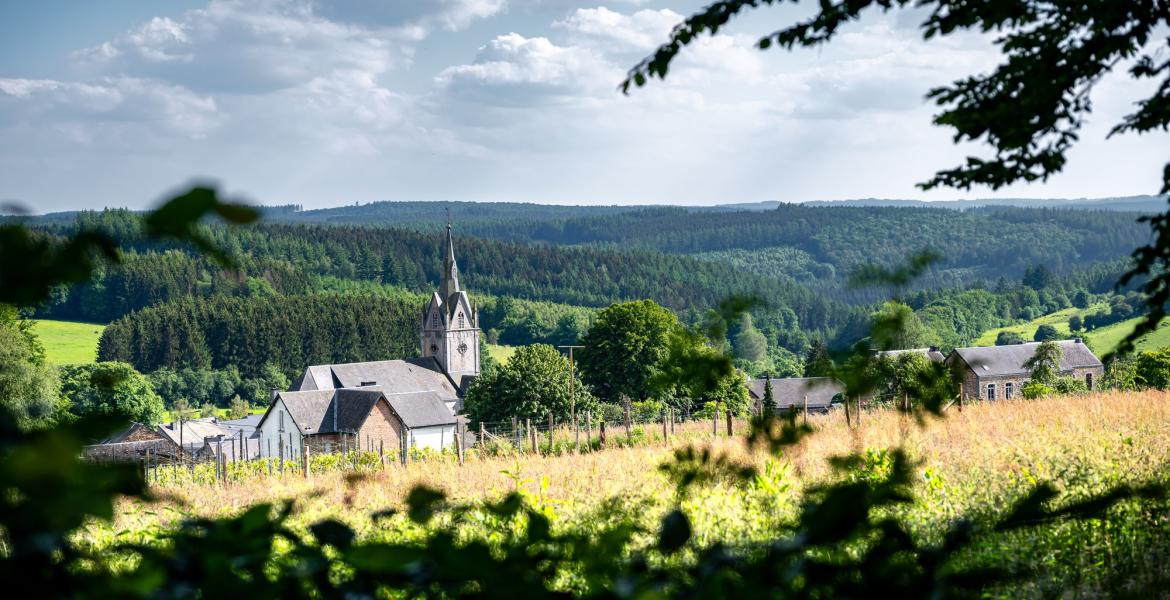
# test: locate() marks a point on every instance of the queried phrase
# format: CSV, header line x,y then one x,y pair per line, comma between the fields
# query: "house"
x,y
933,354
791,393
134,442
998,372
368,418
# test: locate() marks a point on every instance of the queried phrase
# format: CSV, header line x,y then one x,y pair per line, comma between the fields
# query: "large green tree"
x,y
1045,362
624,349
533,384
28,387
110,389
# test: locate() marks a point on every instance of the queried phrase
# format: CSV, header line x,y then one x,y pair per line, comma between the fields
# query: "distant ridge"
x,y
1125,203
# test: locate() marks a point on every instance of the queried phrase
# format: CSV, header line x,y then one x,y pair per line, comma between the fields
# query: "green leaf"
x,y
675,533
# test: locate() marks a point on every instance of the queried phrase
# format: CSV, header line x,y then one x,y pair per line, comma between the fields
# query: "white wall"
x,y
435,438
271,436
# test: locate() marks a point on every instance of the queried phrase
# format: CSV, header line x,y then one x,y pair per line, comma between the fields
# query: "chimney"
x,y
275,391
1078,341
934,348
368,383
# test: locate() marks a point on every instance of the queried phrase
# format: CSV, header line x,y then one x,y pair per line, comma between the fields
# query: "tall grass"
x,y
972,463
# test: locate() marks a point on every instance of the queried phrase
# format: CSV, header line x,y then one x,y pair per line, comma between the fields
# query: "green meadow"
x,y
68,342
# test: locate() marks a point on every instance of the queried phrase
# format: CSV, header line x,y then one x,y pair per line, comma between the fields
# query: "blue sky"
x,y
324,103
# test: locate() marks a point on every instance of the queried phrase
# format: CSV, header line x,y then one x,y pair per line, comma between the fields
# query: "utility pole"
x,y
572,383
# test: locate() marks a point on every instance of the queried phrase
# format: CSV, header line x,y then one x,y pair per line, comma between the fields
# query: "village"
x,y
396,409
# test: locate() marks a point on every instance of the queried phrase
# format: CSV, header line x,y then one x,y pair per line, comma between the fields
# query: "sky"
x,y
335,102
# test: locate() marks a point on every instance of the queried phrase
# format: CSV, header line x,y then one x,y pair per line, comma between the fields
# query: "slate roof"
x,y
346,409
248,425
193,432
932,354
421,409
408,375
997,361
792,390
307,408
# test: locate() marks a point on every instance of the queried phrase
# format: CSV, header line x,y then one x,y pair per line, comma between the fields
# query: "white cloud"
x,y
641,30
512,69
246,47
120,101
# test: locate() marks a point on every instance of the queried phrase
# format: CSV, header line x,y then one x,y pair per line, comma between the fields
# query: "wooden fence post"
x,y
458,444
550,433
576,433
305,457
806,409
715,419
516,434
531,435
629,433
730,432
382,452
589,430
848,421
601,435
482,441
665,435
673,420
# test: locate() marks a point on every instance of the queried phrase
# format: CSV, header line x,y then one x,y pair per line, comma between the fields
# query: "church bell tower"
x,y
450,324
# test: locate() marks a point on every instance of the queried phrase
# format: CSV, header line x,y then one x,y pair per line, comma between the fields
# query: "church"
x,y
386,404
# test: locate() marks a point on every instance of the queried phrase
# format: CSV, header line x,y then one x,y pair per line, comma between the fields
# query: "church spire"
x,y
450,283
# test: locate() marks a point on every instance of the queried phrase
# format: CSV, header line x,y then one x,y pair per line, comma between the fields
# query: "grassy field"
x,y
68,342
975,463
1102,340
501,353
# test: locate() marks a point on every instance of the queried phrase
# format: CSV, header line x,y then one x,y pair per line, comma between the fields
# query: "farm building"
x,y
134,442
998,372
366,417
791,393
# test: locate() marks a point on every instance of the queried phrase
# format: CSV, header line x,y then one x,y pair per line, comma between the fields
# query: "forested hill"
x,y
292,259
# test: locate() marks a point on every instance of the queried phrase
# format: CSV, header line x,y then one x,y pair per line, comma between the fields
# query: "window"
x,y
434,319
461,320
1008,389
991,391
282,421
1089,380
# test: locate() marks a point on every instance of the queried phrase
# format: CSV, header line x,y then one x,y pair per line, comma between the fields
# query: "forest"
x,y
540,276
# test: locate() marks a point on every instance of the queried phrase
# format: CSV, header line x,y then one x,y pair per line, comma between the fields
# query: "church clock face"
x,y
434,348
463,348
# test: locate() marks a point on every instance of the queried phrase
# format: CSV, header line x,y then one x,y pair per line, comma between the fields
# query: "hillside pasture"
x,y
1102,340
68,342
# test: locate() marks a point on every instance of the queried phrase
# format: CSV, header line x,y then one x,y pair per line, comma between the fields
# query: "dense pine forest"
x,y
312,292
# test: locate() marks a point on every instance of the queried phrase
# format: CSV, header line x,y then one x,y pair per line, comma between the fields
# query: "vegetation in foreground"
x,y
975,463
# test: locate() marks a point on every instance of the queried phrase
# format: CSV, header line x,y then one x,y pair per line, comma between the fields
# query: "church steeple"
x,y
450,282
449,330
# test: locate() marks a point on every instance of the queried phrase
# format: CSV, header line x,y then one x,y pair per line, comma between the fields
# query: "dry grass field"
x,y
978,459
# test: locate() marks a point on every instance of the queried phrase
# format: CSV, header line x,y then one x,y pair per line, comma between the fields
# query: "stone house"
x,y
790,393
998,372
368,418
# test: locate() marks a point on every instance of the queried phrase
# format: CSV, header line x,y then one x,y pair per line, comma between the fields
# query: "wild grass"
x,y
973,463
